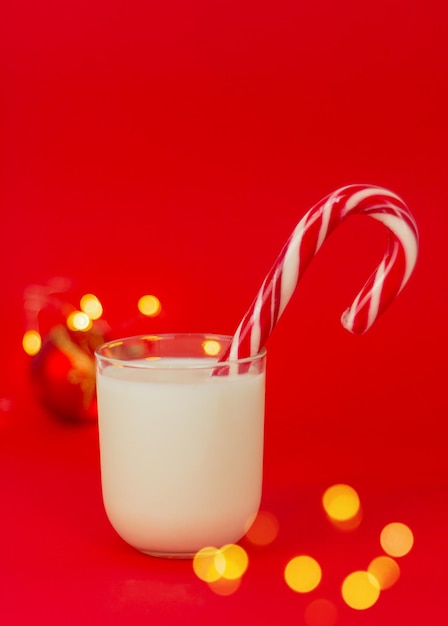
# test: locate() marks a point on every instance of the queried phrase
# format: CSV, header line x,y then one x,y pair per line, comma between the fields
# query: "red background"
x,y
171,148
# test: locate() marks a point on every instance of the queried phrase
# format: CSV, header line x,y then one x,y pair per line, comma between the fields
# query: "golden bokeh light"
x,y
321,612
396,539
222,569
32,342
360,590
385,570
231,561
90,305
211,347
149,305
262,530
204,564
341,504
78,320
303,574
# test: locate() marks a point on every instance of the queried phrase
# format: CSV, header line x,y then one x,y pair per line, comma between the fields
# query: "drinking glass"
x,y
181,441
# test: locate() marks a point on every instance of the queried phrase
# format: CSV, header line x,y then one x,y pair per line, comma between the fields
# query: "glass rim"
x,y
210,363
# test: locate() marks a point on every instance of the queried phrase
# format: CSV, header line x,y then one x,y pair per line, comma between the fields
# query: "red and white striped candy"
x,y
306,240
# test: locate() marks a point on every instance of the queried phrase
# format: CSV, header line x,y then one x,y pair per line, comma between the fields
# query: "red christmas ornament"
x,y
62,340
63,372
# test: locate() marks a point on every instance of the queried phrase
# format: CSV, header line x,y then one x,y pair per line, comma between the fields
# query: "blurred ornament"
x,y
61,341
63,372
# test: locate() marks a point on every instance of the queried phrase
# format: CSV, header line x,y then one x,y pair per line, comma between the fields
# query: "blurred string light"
x,y
303,574
222,568
211,347
91,310
232,561
342,506
91,306
396,539
385,570
205,564
39,298
360,590
149,305
78,320
32,342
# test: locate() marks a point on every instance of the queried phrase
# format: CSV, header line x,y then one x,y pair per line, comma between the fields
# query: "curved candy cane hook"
x,y
379,291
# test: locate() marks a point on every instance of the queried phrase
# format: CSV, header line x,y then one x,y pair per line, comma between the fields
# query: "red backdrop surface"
x,y
171,148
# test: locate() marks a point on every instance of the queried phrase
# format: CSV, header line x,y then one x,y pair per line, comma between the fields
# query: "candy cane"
x,y
306,240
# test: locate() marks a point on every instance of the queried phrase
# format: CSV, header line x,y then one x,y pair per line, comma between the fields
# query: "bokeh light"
x,y
231,561
321,612
360,590
385,570
149,305
221,568
78,320
342,506
204,564
396,539
262,530
32,342
90,305
303,574
211,347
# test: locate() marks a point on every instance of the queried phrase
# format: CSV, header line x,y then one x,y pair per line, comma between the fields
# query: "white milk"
x,y
181,454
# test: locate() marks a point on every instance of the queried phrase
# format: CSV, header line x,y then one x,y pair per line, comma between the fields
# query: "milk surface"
x,y
181,453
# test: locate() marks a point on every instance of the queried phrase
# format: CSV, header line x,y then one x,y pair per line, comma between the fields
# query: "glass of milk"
x,y
181,441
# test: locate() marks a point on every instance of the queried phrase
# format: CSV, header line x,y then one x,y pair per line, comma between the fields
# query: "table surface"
x,y
171,150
